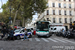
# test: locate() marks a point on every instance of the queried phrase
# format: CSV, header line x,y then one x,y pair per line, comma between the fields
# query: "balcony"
x,y
65,14
59,6
70,14
59,14
47,14
53,13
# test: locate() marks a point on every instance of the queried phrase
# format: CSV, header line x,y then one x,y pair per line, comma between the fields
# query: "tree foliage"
x,y
26,8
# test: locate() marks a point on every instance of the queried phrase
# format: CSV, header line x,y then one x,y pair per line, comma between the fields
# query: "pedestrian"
x,y
9,30
34,32
63,31
25,35
11,35
4,31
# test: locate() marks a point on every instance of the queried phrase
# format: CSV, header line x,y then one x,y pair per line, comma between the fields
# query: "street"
x,y
42,43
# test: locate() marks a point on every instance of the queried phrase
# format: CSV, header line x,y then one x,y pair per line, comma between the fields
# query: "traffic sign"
x,y
9,17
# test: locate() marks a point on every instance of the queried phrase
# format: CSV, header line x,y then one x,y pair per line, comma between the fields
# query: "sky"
x,y
4,1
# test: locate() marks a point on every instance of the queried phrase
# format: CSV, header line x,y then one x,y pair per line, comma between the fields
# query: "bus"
x,y
42,28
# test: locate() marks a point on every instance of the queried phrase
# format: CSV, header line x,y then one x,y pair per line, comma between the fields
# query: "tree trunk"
x,y
15,18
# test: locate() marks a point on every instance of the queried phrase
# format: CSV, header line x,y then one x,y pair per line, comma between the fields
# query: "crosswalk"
x,y
52,40
56,40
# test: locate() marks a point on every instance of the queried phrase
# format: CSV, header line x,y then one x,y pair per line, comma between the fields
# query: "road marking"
x,y
44,39
37,39
69,41
30,39
60,40
22,39
52,40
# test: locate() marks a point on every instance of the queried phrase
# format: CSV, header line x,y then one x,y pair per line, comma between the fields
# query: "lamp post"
x,y
23,18
10,22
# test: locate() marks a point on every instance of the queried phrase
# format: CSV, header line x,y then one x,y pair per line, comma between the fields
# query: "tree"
x,y
28,7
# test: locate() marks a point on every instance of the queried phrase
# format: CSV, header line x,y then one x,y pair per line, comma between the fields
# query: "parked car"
x,y
19,33
56,29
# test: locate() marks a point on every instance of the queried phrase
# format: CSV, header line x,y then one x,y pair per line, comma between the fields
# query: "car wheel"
x,y
39,36
68,37
18,37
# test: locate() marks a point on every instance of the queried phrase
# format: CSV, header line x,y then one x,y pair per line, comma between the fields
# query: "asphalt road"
x,y
42,43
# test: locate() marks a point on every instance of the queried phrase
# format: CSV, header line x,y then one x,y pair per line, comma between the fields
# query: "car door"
x,y
22,32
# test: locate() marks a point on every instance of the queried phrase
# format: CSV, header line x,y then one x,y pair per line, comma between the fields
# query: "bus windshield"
x,y
42,27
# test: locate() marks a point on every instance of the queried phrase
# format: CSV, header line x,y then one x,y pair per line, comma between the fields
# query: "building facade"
x,y
59,11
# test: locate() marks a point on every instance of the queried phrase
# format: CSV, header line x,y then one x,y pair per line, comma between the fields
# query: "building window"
x,y
64,5
64,0
70,20
70,13
60,20
53,20
47,12
53,12
64,12
59,12
47,19
59,0
69,0
59,5
53,4
65,20
69,5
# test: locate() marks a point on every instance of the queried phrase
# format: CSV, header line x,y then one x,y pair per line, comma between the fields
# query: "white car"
x,y
19,33
56,29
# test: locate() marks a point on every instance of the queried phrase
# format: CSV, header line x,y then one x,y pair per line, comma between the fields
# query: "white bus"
x,y
42,28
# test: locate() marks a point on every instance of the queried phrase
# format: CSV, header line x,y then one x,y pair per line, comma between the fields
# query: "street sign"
x,y
9,17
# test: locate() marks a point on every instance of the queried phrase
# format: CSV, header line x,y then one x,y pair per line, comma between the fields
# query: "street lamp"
x,y
23,18
10,12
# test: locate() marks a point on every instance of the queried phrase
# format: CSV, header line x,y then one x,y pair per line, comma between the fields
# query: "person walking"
x,y
11,35
34,32
4,31
25,35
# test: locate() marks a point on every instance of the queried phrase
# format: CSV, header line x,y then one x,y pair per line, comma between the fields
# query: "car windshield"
x,y
17,30
54,28
31,28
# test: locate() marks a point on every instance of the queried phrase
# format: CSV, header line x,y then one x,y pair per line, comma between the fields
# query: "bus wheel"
x,y
39,36
48,36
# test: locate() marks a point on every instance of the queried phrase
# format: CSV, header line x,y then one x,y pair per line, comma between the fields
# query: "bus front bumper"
x,y
42,33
